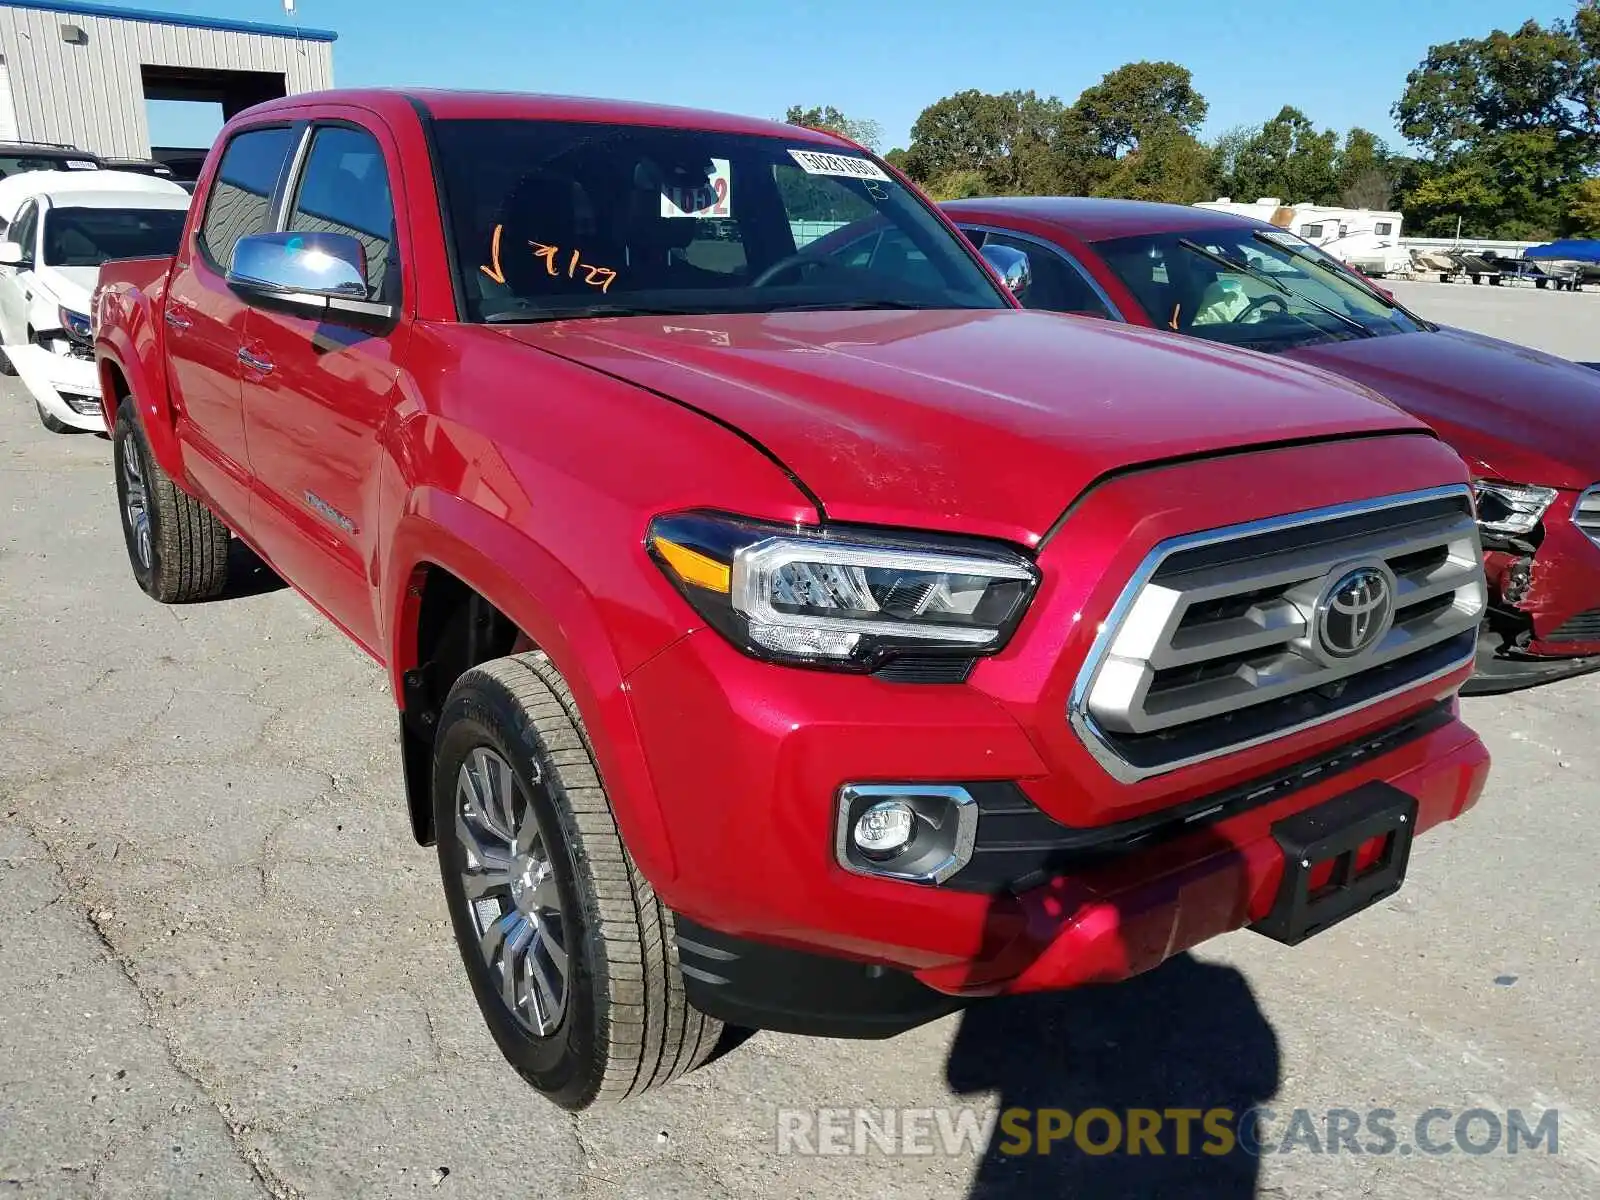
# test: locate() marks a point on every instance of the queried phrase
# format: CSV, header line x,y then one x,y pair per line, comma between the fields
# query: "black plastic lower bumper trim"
x,y
761,986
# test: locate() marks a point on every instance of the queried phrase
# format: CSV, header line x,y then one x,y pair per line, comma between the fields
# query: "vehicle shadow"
x,y
247,574
1187,1035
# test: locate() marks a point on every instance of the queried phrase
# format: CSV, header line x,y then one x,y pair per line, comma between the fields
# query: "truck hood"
x,y
1512,412
983,421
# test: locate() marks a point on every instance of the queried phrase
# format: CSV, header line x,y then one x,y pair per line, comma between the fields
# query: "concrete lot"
x,y
226,971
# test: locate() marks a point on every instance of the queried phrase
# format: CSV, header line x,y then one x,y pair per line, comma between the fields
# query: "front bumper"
x,y
746,760
67,387
750,774
1545,605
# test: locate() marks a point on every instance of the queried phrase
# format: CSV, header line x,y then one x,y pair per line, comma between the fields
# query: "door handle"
x,y
176,319
263,365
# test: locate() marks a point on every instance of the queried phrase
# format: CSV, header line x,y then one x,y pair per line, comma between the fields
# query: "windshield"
x,y
1263,289
87,237
557,219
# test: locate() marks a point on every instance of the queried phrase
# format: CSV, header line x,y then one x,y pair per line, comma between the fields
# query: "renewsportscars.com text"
x,y
1170,1131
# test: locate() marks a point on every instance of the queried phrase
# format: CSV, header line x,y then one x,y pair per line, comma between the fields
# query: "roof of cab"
x,y
1094,219
526,106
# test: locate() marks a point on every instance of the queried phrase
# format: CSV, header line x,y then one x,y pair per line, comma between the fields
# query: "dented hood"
x,y
989,422
1512,412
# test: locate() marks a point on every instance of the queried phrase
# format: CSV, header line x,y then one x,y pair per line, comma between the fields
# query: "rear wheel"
x,y
571,957
177,547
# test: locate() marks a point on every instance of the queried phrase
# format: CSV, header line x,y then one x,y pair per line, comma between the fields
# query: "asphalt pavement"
x,y
226,970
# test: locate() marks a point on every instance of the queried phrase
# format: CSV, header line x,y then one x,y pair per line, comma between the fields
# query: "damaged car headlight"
x,y
1511,508
76,326
850,599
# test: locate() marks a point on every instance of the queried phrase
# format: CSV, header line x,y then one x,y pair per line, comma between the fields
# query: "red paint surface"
x,y
529,461
1515,414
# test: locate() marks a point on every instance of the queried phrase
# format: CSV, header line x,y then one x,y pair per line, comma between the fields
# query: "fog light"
x,y
913,832
885,828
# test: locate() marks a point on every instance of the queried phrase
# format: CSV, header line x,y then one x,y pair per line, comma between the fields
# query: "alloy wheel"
x,y
136,503
511,891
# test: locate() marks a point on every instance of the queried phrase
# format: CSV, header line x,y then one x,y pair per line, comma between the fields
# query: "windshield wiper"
x,y
573,312
1343,276
1276,285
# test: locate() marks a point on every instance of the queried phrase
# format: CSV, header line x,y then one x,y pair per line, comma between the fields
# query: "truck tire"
x,y
177,547
536,876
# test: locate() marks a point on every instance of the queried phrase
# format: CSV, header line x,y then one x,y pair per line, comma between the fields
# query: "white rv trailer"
x,y
1367,239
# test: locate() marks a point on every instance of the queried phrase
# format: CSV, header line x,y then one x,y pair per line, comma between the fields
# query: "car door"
x,y
16,281
317,392
205,319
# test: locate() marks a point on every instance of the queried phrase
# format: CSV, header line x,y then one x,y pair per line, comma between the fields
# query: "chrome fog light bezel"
x,y
946,831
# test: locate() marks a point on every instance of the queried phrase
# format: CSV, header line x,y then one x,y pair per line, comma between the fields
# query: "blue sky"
x,y
1343,63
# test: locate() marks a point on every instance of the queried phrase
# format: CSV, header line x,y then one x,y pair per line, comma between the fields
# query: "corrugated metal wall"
x,y
93,96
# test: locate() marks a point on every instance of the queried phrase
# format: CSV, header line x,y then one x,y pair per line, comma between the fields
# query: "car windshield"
x,y
1249,286
569,219
87,237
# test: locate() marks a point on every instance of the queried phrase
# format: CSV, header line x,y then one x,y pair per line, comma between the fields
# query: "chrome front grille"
x,y
1587,513
1229,638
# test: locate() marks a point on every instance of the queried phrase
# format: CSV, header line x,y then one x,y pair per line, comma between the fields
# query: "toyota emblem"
x,y
1355,612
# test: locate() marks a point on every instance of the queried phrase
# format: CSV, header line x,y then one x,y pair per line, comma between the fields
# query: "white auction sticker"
x,y
78,164
715,199
814,162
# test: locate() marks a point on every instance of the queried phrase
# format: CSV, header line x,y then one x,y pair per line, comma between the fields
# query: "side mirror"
x,y
1011,264
321,275
11,254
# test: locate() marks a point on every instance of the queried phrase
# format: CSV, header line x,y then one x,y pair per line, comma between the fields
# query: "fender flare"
x,y
548,604
147,383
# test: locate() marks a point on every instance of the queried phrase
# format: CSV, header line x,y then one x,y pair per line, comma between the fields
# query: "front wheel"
x,y
571,957
177,547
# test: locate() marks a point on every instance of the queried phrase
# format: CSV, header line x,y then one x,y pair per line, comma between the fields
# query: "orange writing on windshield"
x,y
600,277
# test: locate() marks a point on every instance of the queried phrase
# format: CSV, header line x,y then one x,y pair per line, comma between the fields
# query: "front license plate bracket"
x,y
1335,831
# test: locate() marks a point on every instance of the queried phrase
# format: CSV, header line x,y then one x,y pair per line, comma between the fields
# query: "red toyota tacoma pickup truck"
x,y
796,641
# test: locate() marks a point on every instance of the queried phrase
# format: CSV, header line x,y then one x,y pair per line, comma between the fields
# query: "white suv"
x,y
57,230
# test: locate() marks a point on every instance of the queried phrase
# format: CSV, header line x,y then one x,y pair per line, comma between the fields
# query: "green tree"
x,y
1508,126
1137,100
1287,157
1002,137
896,158
1169,165
862,132
958,185
1583,210
1365,178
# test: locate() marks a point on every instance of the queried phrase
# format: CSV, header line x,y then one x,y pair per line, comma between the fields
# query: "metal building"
x,y
78,72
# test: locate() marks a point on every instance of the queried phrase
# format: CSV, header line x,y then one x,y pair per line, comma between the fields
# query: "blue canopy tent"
x,y
1568,249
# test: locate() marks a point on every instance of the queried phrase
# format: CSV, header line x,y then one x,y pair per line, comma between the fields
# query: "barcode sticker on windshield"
x,y
78,164
813,162
1288,241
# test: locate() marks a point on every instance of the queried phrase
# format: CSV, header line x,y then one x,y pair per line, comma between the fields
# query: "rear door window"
x,y
241,196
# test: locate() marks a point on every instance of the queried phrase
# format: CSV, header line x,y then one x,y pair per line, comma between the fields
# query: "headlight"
x,y
1511,508
75,325
844,598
